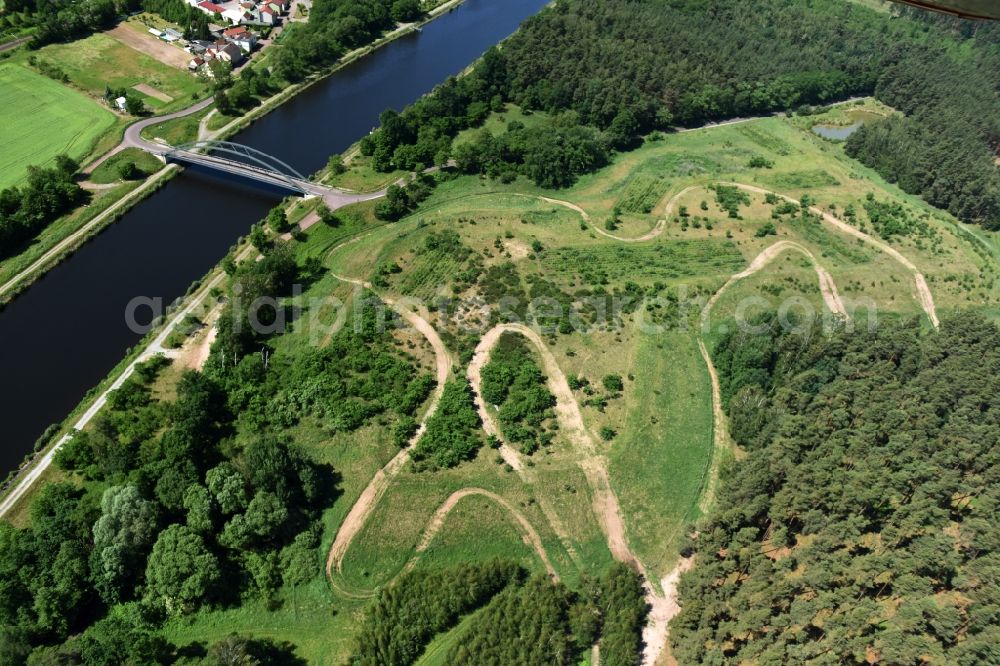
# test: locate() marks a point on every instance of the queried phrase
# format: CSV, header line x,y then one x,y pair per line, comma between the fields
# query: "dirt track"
x,y
528,532
365,504
604,500
827,287
924,296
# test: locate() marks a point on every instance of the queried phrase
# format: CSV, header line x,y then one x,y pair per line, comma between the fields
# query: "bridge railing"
x,y
260,163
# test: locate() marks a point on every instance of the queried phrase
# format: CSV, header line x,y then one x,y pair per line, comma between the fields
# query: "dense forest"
x,y
861,526
608,72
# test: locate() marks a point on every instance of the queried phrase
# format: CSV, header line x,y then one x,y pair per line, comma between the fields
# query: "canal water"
x,y
64,334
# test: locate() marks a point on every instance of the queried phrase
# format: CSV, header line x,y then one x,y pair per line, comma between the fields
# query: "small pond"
x,y
841,132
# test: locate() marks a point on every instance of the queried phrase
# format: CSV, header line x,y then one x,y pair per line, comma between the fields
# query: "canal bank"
x,y
23,279
63,335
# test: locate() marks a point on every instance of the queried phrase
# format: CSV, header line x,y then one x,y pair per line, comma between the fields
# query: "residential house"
x,y
211,8
195,63
199,46
267,15
240,36
234,14
226,52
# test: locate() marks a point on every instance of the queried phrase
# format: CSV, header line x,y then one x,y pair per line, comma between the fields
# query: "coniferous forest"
x,y
862,523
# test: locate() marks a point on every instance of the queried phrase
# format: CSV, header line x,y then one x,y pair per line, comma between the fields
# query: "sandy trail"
x,y
720,431
827,286
373,492
924,296
661,223
831,297
604,501
528,532
195,356
474,374
657,630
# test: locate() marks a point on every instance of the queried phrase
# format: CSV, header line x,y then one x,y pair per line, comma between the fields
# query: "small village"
x,y
233,38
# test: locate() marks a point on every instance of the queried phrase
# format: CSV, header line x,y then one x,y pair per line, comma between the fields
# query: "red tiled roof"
x,y
234,32
212,7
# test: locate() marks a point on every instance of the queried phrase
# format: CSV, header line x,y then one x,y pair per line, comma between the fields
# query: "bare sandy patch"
x,y
147,89
517,249
151,46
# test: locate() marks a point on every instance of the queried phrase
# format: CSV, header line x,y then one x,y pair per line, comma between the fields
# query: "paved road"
x,y
133,133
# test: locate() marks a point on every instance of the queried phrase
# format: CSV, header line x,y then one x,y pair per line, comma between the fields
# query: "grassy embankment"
x,y
664,414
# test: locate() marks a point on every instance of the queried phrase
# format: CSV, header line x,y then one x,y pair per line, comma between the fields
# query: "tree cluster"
x,y
335,27
551,154
513,382
47,194
400,200
421,604
453,433
539,623
199,501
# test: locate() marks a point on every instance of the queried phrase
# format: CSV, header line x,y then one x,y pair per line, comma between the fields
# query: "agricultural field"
x,y
40,118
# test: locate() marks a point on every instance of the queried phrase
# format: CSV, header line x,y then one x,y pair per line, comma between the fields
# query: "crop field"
x,y
40,118
641,193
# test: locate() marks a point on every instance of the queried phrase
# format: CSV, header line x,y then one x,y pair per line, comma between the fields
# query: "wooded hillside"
x,y
627,67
